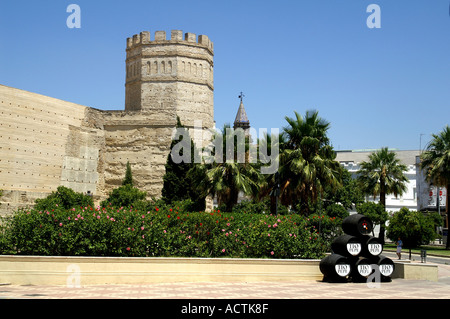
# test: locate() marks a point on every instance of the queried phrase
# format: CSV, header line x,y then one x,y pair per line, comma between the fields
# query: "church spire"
x,y
241,116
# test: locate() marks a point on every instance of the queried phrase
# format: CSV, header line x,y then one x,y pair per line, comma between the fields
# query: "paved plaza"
x,y
397,289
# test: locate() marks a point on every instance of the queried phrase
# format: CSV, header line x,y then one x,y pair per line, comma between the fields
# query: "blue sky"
x,y
377,87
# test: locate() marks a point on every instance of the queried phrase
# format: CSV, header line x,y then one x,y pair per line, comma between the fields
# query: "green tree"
x,y
307,162
128,176
269,185
375,212
412,227
348,196
381,175
436,163
179,180
229,174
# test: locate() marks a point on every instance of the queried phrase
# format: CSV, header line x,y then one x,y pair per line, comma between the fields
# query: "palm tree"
x,y
227,177
307,162
269,185
436,163
383,174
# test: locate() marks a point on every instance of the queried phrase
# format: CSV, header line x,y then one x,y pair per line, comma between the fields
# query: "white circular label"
x,y
375,249
364,270
386,270
342,269
354,248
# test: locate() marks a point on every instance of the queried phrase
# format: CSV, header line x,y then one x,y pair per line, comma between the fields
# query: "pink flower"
x,y
68,218
60,224
223,250
143,216
272,252
275,225
142,228
164,231
98,217
268,235
278,220
226,234
128,248
228,224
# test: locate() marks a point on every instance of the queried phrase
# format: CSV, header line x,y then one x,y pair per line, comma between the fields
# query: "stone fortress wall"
x,y
46,142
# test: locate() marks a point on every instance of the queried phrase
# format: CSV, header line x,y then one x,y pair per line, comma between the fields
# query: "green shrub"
x,y
337,210
64,198
327,227
124,196
254,206
88,231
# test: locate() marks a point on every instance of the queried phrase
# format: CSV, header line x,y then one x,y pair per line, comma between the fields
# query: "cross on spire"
x,y
241,116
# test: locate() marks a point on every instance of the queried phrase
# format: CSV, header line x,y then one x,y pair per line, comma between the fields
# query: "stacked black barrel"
x,y
356,255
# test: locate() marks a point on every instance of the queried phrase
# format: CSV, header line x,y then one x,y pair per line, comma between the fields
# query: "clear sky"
x,y
376,86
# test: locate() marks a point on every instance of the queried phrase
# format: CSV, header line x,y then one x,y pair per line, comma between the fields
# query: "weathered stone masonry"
x,y
46,142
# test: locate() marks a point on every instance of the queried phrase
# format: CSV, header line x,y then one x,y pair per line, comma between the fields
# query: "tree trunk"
x,y
273,205
383,202
447,246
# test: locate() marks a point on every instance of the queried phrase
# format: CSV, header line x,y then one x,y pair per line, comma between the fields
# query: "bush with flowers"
x,y
166,231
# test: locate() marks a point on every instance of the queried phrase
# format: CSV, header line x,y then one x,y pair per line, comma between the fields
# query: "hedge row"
x,y
90,231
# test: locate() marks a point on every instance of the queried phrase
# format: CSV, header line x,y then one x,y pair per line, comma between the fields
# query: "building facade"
x,y
351,160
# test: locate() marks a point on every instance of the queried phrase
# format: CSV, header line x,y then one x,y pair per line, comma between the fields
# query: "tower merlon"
x,y
176,36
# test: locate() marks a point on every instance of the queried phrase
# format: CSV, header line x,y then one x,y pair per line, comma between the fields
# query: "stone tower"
x,y
174,74
46,142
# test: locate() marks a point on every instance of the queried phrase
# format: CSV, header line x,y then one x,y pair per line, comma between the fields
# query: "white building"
x,y
351,161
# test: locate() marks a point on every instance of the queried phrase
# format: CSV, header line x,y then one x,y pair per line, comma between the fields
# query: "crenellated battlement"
x,y
176,37
175,74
